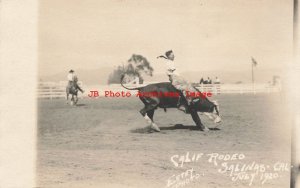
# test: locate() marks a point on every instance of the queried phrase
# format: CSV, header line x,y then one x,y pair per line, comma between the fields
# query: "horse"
x,y
72,89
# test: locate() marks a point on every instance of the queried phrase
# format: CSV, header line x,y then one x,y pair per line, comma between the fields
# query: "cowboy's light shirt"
x,y
171,69
177,81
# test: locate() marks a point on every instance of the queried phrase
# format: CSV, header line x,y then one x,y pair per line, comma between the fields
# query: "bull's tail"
x,y
121,81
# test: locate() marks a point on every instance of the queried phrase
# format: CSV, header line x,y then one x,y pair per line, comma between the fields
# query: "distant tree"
x,y
115,76
136,66
140,64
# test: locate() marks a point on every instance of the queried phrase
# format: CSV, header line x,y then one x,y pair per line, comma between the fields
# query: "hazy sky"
x,y
204,34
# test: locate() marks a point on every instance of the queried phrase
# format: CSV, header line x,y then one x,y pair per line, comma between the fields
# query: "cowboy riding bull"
x,y
153,100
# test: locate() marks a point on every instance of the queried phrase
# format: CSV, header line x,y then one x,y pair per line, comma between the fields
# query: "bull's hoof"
x,y
217,120
205,129
155,127
149,121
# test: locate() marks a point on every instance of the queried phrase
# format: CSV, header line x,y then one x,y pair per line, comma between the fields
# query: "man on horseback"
x,y
72,81
72,87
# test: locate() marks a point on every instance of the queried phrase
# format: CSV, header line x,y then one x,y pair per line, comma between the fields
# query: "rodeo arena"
x,y
103,141
134,117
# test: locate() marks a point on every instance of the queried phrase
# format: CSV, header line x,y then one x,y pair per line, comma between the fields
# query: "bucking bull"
x,y
152,102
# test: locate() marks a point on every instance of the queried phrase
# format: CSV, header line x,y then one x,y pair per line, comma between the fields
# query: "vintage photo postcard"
x,y
155,94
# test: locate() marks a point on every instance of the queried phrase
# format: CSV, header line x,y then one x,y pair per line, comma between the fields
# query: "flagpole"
x,y
252,73
252,64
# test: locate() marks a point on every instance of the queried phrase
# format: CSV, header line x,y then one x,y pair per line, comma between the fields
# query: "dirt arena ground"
x,y
105,142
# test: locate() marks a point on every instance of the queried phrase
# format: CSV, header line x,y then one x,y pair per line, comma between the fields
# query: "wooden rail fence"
x,y
53,90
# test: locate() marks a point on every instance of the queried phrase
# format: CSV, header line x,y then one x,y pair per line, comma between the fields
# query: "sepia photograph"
x,y
170,94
